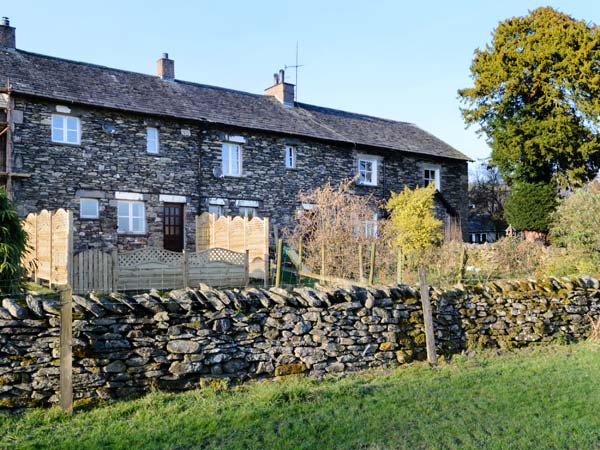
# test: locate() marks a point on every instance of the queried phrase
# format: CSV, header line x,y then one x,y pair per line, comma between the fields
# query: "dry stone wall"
x,y
183,339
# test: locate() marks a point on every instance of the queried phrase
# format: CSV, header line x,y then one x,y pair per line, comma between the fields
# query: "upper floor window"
x,y
431,174
152,140
66,129
290,157
131,217
231,159
88,208
367,170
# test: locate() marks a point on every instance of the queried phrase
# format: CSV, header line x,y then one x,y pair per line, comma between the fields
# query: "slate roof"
x,y
90,84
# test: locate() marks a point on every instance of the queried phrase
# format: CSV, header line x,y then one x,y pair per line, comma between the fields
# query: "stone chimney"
x,y
282,91
7,35
165,68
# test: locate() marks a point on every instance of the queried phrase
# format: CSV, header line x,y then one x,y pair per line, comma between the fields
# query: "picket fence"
x,y
157,268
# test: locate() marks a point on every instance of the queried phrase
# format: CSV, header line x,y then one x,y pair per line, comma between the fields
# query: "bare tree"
x,y
333,222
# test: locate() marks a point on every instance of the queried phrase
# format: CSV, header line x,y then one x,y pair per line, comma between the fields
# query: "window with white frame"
x,y
367,171
431,174
478,238
370,227
152,140
217,210
66,129
247,211
88,208
290,156
131,217
231,160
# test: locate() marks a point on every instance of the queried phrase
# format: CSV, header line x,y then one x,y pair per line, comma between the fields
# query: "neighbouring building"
x,y
137,157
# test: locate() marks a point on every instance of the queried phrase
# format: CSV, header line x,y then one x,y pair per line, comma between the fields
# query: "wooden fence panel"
x,y
150,268
236,234
51,245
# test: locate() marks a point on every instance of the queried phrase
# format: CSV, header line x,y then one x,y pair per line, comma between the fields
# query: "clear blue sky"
x,y
402,60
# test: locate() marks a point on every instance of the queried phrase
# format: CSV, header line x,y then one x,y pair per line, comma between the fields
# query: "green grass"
x,y
543,398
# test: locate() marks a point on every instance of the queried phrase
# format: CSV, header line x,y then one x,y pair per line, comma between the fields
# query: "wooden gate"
x,y
95,270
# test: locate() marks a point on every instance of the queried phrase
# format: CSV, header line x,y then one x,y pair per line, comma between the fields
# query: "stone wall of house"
x,y
265,178
103,164
128,344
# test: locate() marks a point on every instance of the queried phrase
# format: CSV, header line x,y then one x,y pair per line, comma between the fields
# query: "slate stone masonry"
x,y
117,161
128,344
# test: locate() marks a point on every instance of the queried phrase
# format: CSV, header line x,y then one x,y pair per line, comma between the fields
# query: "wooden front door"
x,y
173,226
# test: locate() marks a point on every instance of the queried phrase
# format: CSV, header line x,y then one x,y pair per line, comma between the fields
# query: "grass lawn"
x,y
544,398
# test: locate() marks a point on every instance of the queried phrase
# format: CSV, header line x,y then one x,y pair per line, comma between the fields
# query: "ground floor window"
x,y
131,217
88,208
247,211
217,210
478,238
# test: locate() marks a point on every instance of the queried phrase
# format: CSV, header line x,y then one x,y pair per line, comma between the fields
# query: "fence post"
x,y
372,268
115,269
66,349
185,268
298,276
399,267
267,270
247,271
361,274
278,270
427,318
322,259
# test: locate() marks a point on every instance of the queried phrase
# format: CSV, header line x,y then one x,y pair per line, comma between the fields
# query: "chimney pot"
x,y
165,68
282,91
7,35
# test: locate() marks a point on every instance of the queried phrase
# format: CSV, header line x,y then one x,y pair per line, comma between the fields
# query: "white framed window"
x,y
66,129
88,208
131,217
217,210
290,156
367,171
431,174
370,227
247,211
152,140
231,160
478,238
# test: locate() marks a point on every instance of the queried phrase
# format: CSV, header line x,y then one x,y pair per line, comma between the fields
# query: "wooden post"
x,y
115,269
279,256
267,270
66,349
361,266
372,268
323,271
427,318
185,268
399,267
298,276
247,268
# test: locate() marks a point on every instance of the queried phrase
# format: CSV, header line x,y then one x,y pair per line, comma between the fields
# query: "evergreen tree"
x,y
536,97
13,244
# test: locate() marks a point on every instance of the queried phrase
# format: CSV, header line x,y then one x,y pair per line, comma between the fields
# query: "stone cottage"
x,y
137,156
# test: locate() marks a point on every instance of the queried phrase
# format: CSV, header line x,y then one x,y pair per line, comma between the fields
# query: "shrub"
x,y
13,244
575,228
530,205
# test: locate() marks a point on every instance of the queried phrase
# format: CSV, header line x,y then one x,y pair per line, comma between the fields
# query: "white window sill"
x,y
72,144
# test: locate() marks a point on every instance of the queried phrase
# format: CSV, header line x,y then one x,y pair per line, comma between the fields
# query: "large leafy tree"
x,y
536,97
